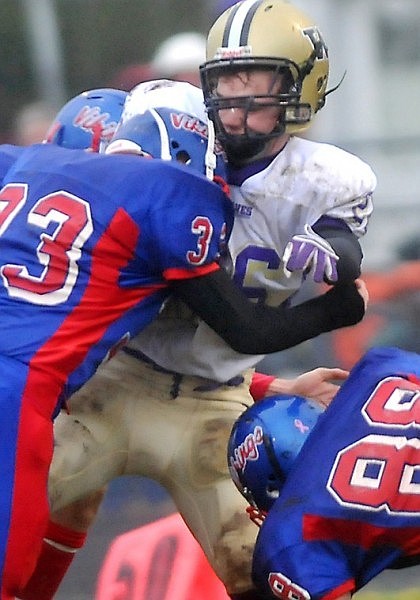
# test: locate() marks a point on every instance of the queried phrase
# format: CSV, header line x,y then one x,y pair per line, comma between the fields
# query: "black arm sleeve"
x,y
259,329
346,245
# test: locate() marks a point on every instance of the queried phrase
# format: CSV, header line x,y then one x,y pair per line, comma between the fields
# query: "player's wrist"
x,y
281,386
346,305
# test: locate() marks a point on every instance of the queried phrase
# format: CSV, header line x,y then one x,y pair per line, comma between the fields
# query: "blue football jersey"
x,y
351,505
89,245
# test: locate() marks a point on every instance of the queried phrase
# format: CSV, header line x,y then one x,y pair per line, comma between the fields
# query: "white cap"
x,y
179,53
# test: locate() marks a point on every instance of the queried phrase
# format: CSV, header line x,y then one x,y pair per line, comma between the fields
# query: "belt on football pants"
x,y
204,385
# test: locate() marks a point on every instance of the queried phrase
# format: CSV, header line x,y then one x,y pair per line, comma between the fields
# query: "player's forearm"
x,y
339,307
259,329
263,385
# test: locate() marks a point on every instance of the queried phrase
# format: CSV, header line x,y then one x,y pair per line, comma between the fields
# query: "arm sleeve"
x,y
346,245
259,385
259,329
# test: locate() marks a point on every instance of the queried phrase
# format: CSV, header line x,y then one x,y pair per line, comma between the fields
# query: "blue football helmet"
x,y
88,121
264,443
170,134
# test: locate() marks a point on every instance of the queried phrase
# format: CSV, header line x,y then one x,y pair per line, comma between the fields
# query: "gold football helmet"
x,y
267,35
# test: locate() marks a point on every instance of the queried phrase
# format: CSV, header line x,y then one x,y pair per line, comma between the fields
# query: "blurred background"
x,y
54,49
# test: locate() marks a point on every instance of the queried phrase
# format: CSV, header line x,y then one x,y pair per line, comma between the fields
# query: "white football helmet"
x,y
165,93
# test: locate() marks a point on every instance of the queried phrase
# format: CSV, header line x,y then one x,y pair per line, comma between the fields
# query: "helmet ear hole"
x,y
183,157
272,488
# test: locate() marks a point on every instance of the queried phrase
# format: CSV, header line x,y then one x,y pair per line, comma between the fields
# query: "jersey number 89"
x,y
382,471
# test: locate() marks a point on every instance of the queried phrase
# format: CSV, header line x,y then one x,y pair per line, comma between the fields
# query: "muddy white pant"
x,y
133,419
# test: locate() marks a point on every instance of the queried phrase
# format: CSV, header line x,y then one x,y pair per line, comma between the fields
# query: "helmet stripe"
x,y
225,40
164,137
247,23
239,22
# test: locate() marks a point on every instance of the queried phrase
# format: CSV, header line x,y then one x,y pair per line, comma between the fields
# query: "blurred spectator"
x,y
129,76
31,123
410,250
179,57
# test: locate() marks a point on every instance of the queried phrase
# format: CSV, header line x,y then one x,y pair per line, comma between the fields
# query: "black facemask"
x,y
240,149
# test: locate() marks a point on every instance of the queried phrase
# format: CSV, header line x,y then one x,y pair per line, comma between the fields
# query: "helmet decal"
x,y
93,120
247,450
320,47
87,121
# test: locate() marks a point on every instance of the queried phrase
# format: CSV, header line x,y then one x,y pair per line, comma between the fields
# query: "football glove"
x,y
312,254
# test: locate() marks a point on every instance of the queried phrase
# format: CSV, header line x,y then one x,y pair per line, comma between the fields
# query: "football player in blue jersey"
x,y
91,246
337,494
66,530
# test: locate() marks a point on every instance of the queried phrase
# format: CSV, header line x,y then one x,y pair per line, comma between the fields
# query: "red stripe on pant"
x,y
30,508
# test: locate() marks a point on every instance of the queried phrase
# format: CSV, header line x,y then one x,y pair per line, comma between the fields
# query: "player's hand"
x,y
312,254
319,385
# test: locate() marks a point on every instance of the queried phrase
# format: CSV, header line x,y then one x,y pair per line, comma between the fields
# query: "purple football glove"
x,y
311,253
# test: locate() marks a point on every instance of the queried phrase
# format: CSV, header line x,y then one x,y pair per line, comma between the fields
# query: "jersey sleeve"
x,y
259,385
299,570
191,229
347,189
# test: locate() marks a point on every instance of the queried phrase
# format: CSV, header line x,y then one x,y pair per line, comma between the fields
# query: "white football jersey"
x,y
305,181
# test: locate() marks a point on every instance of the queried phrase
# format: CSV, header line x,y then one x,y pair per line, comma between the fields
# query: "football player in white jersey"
x,y
300,208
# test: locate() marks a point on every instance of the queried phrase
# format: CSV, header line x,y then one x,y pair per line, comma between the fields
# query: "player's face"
x,y
260,118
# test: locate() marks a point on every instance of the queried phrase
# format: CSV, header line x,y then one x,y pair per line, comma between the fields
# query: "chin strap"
x,y
210,157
